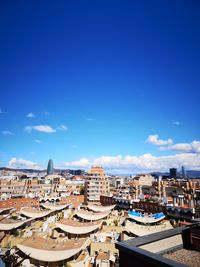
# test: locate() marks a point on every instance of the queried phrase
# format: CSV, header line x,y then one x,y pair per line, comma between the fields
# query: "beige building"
x,y
96,184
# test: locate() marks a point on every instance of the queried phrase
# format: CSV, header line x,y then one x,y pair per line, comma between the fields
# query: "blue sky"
x,y
114,83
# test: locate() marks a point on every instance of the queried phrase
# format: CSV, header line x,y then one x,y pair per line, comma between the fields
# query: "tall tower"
x,y
173,172
50,167
183,172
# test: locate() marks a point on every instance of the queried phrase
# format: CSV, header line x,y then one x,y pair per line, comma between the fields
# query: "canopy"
x,y
156,217
46,249
9,224
5,209
91,216
140,230
34,213
54,207
77,227
96,208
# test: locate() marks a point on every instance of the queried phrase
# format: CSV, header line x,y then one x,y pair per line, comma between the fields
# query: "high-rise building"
x,y
183,172
173,173
50,167
96,184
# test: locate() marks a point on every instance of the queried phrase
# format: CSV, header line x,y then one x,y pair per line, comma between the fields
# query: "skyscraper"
x,y
183,172
50,167
173,173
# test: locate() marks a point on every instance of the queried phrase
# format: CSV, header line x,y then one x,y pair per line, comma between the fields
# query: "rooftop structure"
x,y
7,224
49,250
147,250
98,208
141,230
91,216
75,227
34,213
146,219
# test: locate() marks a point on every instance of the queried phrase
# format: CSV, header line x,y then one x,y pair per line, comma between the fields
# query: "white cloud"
x,y
82,163
40,128
44,128
62,128
153,139
30,115
90,119
193,147
38,141
7,132
22,164
135,164
176,123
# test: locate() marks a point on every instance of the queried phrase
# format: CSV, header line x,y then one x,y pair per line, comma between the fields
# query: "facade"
x,y
19,203
50,167
96,184
20,189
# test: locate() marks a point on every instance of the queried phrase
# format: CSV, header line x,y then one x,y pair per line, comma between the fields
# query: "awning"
x,y
54,207
34,213
45,249
82,228
141,230
14,225
96,208
91,216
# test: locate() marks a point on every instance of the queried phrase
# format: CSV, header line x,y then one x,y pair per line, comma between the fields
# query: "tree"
x,y
82,190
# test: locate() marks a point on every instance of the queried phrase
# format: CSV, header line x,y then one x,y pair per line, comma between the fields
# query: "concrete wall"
x,y
163,244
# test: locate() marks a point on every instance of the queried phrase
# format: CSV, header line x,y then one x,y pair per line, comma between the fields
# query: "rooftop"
x,y
42,243
76,223
188,257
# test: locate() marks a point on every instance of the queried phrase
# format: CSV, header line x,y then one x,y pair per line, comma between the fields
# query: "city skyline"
x,y
106,83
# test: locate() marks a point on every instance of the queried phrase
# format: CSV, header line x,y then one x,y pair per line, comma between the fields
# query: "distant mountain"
x,y
189,173
193,174
22,170
34,170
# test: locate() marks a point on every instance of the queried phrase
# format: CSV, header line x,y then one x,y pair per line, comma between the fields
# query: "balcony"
x,y
154,250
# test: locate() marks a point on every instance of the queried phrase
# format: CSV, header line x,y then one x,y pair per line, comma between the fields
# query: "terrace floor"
x,y
188,257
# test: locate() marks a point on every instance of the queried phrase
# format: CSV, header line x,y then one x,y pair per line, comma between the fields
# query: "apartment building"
x,y
96,184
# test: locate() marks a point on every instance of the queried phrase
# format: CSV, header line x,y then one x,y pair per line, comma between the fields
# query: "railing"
x,y
130,251
195,237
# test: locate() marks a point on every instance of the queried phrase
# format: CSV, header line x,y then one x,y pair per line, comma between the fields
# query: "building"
x,y
19,203
173,172
183,172
50,167
96,184
76,172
